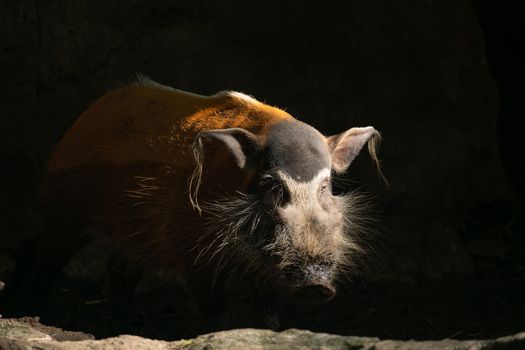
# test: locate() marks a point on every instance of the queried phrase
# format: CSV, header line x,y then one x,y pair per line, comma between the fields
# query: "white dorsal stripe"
x,y
241,96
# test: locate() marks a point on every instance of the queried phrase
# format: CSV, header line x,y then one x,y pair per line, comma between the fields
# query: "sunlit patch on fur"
x,y
346,244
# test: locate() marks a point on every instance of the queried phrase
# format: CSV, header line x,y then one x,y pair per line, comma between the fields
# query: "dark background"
x,y
440,79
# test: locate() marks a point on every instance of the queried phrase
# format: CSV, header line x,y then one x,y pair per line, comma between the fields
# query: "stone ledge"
x,y
29,334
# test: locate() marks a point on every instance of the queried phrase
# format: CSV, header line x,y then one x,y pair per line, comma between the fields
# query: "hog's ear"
x,y
345,146
241,144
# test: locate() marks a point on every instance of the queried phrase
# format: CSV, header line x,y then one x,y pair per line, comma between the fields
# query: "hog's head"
x,y
285,226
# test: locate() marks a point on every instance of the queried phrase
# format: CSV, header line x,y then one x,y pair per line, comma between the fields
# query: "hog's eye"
x,y
326,187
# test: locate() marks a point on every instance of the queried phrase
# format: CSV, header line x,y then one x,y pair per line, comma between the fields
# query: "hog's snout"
x,y
315,293
316,286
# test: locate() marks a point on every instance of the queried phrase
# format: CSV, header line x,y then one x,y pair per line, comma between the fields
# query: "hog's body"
x,y
125,167
219,188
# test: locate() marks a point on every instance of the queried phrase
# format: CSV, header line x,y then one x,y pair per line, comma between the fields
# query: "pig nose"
x,y
314,293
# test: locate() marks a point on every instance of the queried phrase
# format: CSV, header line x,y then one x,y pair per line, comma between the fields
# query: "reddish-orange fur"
x,y
124,166
154,124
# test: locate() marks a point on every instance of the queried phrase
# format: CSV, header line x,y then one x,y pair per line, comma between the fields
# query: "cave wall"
x,y
416,70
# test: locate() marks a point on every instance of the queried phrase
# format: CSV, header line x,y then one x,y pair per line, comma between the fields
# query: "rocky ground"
x,y
28,333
